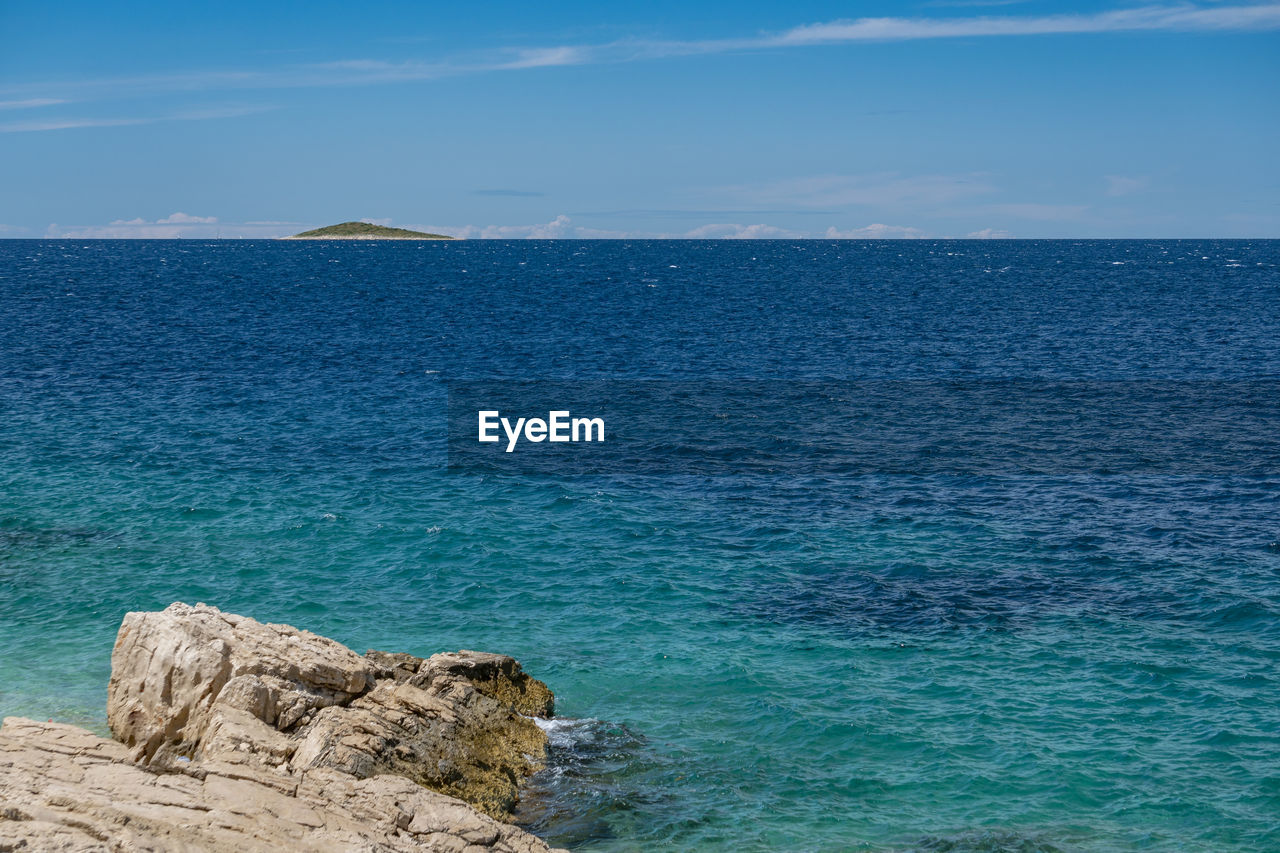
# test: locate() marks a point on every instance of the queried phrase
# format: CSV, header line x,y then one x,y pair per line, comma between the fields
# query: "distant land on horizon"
x,y
365,231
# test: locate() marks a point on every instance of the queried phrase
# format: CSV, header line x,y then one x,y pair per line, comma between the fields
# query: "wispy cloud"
x,y
1185,17
961,4
39,125
989,234
701,213
1180,17
546,57
30,103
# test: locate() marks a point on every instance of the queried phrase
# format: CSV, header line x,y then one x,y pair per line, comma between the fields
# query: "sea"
x,y
969,629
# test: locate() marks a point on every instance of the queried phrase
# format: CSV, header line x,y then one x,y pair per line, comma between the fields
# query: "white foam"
x,y
565,731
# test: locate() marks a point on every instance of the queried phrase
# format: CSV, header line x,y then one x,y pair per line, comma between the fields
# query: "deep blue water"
x,y
1053,658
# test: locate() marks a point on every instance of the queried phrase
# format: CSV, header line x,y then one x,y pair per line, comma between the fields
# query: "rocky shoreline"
x,y
234,735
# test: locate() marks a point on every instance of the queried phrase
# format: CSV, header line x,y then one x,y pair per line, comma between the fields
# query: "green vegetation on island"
x,y
365,231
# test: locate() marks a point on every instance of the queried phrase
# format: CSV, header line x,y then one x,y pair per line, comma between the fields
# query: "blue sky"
x,y
715,119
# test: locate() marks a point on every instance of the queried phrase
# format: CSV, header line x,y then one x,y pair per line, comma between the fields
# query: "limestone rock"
x,y
455,740
496,676
169,670
233,735
65,789
194,683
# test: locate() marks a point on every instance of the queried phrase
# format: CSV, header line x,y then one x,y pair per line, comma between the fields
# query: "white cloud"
x,y
173,227
562,227
38,125
989,234
181,218
960,4
35,126
1184,17
557,228
875,231
30,103
546,57
734,231
1180,17
1118,185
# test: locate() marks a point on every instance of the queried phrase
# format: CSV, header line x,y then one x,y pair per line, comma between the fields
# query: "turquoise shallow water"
x,y
807,662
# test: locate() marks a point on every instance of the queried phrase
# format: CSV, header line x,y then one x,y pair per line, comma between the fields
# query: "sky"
x,y
938,118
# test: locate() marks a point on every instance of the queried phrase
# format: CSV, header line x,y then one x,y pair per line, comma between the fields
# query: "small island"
x,y
365,231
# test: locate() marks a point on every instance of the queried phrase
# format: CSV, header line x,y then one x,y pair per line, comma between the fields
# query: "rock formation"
x,y
236,735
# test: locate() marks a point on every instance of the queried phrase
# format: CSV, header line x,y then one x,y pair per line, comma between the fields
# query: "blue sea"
x,y
1077,655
